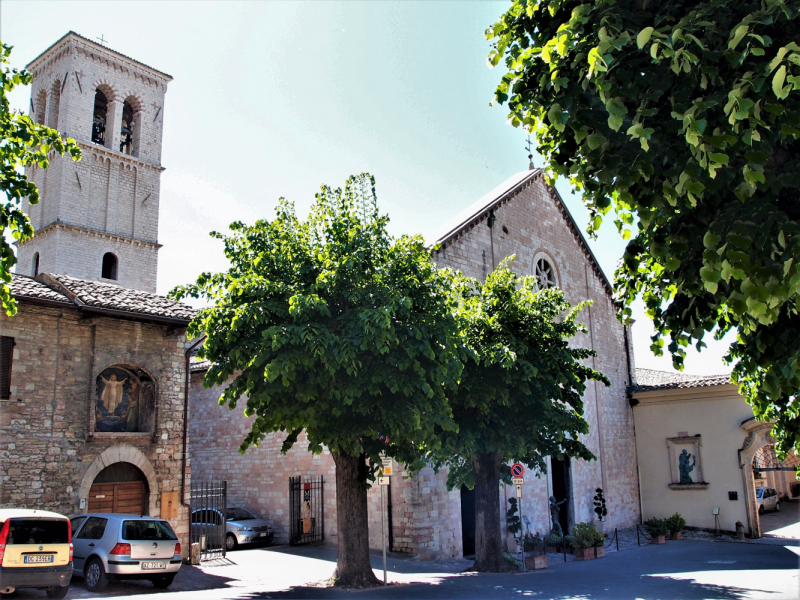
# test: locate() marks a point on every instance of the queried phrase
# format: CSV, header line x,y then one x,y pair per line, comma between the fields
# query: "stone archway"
x,y
758,436
116,454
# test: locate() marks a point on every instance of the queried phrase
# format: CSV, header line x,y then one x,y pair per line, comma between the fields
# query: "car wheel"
x,y
230,542
57,592
162,582
777,507
761,509
95,576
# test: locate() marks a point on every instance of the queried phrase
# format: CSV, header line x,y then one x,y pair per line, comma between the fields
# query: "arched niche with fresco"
x,y
124,400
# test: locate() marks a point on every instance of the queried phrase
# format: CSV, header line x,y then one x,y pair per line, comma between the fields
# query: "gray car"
x,y
112,546
241,526
767,499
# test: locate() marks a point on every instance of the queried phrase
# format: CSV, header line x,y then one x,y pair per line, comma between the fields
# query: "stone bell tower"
x,y
97,219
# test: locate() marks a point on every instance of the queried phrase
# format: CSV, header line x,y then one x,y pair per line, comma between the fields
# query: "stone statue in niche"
x,y
123,402
684,467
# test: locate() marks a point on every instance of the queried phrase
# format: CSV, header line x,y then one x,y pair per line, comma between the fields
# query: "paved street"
x,y
785,523
686,569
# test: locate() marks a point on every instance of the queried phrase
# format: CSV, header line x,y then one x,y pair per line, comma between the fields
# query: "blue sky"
x,y
273,99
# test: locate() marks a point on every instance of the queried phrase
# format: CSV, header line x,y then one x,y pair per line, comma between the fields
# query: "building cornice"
x,y
56,225
119,156
727,391
93,49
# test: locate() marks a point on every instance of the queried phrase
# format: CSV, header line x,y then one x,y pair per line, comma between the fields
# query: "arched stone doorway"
x,y
758,436
133,467
119,488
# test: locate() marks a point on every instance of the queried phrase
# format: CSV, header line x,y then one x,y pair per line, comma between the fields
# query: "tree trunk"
x,y
353,568
488,544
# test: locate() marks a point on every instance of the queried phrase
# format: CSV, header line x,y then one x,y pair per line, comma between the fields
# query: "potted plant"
x,y
675,524
535,556
600,508
657,528
585,538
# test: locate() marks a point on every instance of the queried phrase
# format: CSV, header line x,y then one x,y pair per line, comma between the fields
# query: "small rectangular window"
x,y
6,358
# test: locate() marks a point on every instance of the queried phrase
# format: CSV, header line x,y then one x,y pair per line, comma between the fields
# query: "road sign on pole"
x,y
519,490
518,480
517,470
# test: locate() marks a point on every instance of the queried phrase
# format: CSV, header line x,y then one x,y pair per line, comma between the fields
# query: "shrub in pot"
x,y
600,509
585,538
657,529
675,524
535,555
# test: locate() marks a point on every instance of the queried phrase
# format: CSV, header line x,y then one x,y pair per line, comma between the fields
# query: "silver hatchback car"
x,y
767,499
111,546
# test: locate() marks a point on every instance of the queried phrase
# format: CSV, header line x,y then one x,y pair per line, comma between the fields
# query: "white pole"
x,y
521,533
383,535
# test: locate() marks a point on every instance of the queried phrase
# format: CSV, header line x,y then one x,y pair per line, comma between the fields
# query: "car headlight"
x,y
244,529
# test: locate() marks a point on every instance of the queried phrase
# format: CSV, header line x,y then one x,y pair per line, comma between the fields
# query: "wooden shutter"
x,y
6,358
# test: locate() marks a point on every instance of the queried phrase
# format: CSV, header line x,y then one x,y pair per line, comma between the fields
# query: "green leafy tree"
x,y
520,393
682,116
332,327
23,143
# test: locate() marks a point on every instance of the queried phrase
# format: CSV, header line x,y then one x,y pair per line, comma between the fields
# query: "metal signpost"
x,y
383,480
517,471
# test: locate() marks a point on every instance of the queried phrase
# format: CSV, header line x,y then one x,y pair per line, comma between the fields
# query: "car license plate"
x,y
263,535
39,558
149,566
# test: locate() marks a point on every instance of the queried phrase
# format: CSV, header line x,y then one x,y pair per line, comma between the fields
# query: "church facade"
x,y
94,365
523,217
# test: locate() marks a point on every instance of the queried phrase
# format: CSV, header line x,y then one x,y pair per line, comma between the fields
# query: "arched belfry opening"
x,y
99,117
119,488
109,269
40,108
55,105
127,131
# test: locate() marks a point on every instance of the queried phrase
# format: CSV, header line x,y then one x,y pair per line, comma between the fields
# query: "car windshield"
x,y
137,531
760,494
38,531
239,514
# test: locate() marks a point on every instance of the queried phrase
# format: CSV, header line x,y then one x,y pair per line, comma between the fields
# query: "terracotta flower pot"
x,y
676,535
553,549
658,539
535,562
584,553
599,551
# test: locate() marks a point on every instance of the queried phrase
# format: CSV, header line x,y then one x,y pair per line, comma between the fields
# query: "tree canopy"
x,y
332,327
25,143
683,117
520,396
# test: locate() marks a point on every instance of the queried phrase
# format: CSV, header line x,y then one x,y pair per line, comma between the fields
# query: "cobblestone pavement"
x,y
687,569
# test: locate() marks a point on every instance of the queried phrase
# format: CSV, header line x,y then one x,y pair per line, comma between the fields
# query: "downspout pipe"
x,y
188,357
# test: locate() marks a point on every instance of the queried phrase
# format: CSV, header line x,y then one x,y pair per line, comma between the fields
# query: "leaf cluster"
x,y
332,327
684,117
23,144
522,383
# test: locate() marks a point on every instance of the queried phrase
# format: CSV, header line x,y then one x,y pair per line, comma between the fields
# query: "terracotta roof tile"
x,y
649,379
23,286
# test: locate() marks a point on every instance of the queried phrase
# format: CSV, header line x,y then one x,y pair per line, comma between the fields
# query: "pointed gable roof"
x,y
506,192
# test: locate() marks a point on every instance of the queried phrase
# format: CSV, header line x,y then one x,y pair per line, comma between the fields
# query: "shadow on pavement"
x,y
686,570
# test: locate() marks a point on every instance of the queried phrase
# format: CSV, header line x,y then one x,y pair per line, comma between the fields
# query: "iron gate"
x,y
209,505
306,510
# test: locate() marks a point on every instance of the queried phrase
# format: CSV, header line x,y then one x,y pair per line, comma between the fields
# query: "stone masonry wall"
x,y
47,452
108,191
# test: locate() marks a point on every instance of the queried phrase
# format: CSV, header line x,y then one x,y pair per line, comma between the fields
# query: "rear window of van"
x,y
38,531
141,530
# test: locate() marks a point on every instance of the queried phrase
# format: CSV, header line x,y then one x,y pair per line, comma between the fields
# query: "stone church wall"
x,y
47,450
538,228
